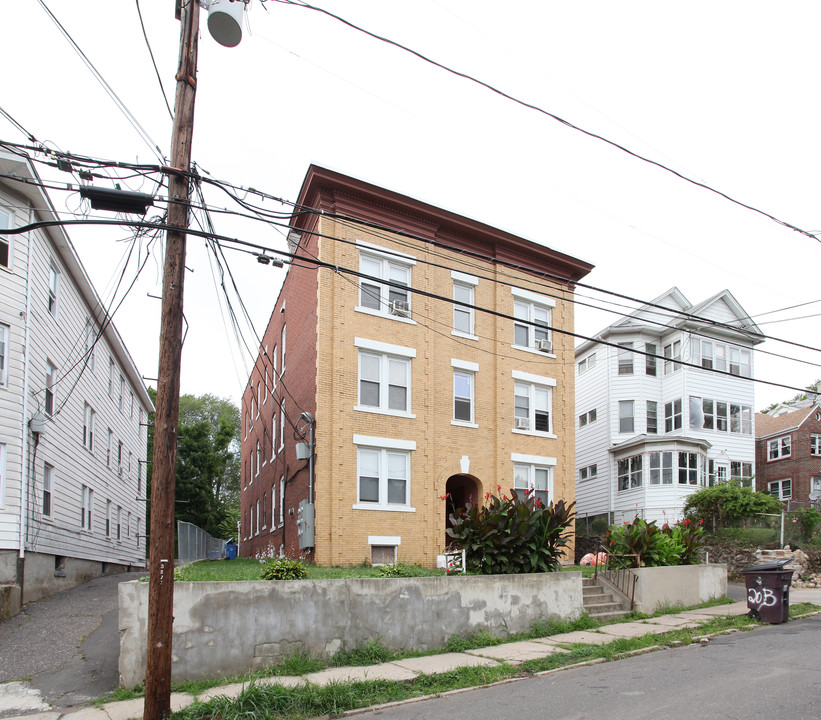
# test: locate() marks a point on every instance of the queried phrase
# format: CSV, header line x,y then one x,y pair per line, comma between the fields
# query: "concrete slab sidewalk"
x,y
407,669
516,653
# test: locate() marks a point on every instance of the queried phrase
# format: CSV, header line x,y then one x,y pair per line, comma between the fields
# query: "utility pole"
x,y
161,533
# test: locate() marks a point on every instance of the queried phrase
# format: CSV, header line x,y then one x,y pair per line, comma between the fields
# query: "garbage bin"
x,y
768,591
231,551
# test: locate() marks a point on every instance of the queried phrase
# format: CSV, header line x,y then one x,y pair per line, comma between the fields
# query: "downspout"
x,y
24,429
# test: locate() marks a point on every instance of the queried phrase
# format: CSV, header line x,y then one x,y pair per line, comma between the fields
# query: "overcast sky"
x,y
723,92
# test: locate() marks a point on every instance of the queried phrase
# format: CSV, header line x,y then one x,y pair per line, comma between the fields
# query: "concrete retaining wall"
x,y
681,585
224,628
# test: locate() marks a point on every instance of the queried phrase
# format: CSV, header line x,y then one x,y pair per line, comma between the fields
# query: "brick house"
x,y
425,360
788,454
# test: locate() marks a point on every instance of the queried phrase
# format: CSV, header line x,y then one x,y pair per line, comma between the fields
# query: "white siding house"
x,y
73,409
664,406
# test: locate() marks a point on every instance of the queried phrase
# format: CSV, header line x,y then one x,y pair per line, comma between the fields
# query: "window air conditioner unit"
x,y
522,423
544,345
400,308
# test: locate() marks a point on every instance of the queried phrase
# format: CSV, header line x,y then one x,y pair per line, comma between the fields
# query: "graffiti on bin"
x,y
761,598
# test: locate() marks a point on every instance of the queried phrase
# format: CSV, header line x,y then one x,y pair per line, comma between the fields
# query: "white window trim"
x,y
533,297
386,349
399,258
533,380
2,475
380,443
471,280
470,368
5,332
384,540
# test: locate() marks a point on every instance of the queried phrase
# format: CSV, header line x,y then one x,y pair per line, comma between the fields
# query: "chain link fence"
x,y
193,544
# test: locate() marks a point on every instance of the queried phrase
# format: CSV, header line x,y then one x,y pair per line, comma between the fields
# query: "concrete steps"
x,y
600,604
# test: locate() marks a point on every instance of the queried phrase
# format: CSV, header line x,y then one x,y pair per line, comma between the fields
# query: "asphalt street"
x,y
66,645
771,673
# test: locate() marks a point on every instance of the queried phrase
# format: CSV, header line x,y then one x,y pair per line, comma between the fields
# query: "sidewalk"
x,y
512,653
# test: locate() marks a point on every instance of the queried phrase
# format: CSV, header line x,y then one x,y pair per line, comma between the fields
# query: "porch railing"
x,y
617,573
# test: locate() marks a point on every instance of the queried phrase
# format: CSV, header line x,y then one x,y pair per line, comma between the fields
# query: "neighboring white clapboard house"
x,y
73,410
664,406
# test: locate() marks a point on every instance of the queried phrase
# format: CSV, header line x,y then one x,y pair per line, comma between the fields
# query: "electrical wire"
x,y
109,90
536,108
153,61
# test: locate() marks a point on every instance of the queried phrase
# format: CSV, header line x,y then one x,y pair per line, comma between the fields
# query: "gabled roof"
x,y
766,425
672,311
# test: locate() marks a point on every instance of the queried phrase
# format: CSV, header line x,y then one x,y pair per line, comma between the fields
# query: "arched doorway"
x,y
461,490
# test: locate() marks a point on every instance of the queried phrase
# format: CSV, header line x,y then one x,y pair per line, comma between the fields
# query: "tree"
x,y
207,485
729,502
814,388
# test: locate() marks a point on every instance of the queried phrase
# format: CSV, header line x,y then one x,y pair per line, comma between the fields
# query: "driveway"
x,y
66,646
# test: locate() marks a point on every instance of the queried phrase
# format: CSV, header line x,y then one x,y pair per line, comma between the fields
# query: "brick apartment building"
x,y
423,352
788,455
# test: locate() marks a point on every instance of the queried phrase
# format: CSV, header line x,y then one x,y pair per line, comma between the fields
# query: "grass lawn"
x,y
249,569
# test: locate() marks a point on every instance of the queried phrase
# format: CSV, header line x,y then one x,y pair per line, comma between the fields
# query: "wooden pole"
x,y
161,533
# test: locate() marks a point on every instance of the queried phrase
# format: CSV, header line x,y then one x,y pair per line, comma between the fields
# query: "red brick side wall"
x,y
800,466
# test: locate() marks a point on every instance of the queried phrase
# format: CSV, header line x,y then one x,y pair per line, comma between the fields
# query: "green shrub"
x,y
283,569
401,570
644,543
727,503
508,535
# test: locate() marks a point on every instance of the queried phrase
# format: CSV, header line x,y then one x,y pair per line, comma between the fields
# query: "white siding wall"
x,y
592,441
603,388
12,315
61,340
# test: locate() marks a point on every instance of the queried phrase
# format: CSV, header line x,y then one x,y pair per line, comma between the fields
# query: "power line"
x,y
113,95
531,106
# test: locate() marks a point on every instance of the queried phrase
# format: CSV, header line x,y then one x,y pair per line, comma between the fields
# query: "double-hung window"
x,y
630,472
672,415
384,377
626,358
742,472
533,403
779,447
108,518
464,392
587,364
627,420
533,477
48,490
86,507
464,296
4,355
661,468
90,342
53,289
282,424
532,315
385,282
88,427
781,489
5,255
383,473
672,357
51,379
687,468
815,444
650,359
652,417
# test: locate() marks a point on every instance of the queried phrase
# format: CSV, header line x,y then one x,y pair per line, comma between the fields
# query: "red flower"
x,y
445,496
487,495
498,488
539,503
687,522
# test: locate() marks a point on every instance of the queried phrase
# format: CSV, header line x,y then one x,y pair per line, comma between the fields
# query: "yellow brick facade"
x,y
478,456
